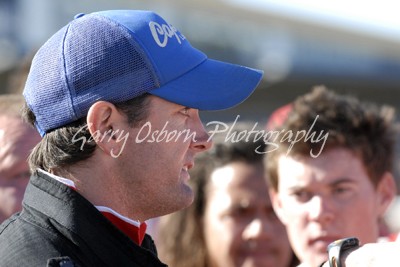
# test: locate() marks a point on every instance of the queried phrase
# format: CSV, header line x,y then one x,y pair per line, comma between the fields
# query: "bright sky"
x,y
376,17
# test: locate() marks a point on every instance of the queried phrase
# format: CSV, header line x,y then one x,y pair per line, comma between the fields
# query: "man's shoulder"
x,y
26,244
24,226
31,240
23,243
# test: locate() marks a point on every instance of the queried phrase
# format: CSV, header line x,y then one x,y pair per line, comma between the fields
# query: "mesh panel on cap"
x,y
104,63
92,58
45,90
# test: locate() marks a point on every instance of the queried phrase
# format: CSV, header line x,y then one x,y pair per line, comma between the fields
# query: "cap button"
x,y
77,16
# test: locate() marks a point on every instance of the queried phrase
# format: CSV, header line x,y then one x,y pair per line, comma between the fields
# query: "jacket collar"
x,y
135,230
79,221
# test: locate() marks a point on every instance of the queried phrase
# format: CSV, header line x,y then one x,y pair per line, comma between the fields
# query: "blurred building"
x,y
295,52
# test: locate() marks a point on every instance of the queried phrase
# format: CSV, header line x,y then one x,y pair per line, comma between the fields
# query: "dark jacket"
x,y
59,227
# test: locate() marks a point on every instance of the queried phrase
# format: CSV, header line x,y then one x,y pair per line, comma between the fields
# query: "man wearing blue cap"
x,y
115,96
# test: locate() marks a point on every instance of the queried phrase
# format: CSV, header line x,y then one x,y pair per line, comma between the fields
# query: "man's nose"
x,y
201,141
257,228
321,209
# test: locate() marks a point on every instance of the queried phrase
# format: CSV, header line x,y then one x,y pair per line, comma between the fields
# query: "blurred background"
x,y
350,46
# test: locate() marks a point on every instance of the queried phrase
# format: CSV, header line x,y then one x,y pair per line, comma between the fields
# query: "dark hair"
x,y
364,128
57,150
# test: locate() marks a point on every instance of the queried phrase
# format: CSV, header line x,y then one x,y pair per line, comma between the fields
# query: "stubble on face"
x,y
156,173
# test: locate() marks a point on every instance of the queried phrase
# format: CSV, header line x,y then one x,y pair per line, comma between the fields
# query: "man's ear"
x,y
104,122
386,190
277,205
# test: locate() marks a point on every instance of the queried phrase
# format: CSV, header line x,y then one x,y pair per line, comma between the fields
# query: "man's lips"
x,y
322,242
187,166
185,170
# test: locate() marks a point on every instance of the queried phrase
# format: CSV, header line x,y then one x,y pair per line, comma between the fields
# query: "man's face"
x,y
240,226
159,154
16,141
326,198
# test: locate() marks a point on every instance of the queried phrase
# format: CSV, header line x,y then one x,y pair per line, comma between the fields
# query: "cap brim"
x,y
212,85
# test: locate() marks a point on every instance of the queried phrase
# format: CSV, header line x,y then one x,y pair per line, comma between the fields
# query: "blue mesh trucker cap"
x,y
117,55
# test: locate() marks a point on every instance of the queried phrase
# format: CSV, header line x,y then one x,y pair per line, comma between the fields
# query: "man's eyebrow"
x,y
297,187
333,183
342,180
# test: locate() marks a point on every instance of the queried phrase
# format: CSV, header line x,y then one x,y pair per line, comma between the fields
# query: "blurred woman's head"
x,y
231,222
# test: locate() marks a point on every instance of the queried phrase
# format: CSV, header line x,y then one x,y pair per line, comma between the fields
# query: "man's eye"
x,y
302,195
342,191
185,111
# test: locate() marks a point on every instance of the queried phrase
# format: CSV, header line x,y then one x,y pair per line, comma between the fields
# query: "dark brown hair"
x,y
364,128
57,149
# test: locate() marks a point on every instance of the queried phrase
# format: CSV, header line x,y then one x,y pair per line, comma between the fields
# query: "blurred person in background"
x,y
387,230
338,187
17,138
231,222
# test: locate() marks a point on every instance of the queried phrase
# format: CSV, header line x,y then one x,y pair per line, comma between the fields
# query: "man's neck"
x,y
132,228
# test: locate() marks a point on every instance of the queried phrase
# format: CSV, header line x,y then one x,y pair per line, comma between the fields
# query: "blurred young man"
x,y
340,186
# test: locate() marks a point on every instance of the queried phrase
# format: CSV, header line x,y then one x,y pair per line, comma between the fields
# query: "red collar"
x,y
135,231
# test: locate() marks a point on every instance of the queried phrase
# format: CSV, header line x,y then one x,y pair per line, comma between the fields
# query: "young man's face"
x,y
327,198
240,226
159,154
16,141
